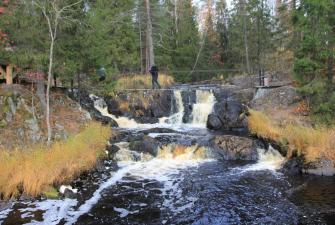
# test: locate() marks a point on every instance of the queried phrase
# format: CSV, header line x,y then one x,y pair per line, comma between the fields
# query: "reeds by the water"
x,y
310,142
33,171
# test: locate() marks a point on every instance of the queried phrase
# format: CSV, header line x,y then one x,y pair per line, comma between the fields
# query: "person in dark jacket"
x,y
154,75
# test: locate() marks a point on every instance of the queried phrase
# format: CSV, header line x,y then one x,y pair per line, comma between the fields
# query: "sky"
x,y
229,2
201,10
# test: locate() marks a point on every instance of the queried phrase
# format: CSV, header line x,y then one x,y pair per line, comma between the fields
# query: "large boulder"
x,y
230,147
271,98
214,122
145,145
142,106
227,115
189,98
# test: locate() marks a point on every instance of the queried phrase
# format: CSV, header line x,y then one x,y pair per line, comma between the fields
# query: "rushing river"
x,y
184,184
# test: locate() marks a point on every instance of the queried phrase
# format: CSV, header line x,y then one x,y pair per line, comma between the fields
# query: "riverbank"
x,y
36,170
29,168
316,146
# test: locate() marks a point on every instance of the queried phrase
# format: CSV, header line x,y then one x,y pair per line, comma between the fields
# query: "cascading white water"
x,y
123,122
205,101
170,161
269,159
176,118
203,107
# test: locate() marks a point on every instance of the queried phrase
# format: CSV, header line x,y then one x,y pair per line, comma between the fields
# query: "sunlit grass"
x,y
310,142
142,82
35,170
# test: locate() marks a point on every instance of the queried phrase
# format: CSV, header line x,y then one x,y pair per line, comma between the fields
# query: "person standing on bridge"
x,y
154,76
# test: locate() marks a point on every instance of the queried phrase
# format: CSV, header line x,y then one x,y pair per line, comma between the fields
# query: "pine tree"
x,y
313,67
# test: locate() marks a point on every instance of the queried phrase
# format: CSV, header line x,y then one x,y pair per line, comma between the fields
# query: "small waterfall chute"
x,y
123,122
175,118
269,159
205,101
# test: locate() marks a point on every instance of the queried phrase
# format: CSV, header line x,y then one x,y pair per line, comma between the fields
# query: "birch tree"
x,y
53,11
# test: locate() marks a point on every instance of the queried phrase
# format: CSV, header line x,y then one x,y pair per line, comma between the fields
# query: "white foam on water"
x,y
165,169
123,122
123,212
269,159
54,210
4,214
87,206
203,107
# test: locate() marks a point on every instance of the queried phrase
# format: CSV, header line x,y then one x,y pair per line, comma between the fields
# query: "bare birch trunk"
x,y
53,34
245,37
48,89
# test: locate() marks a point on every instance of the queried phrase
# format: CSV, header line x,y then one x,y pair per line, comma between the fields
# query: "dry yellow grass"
x,y
262,126
142,82
33,171
310,142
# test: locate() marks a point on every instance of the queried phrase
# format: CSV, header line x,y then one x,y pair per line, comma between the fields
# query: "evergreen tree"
x,y
313,67
112,37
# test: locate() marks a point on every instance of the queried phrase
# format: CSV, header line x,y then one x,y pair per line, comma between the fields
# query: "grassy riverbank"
x,y
309,142
34,171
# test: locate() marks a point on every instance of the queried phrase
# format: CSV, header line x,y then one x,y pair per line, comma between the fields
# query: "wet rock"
x,y
147,120
87,103
105,120
321,167
159,130
146,145
161,105
245,96
231,147
189,98
292,166
227,115
68,192
112,150
214,122
143,106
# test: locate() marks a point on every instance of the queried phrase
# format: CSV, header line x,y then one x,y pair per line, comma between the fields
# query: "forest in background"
x,y
296,38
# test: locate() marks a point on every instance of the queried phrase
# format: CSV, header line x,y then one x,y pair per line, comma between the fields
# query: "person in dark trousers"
x,y
154,75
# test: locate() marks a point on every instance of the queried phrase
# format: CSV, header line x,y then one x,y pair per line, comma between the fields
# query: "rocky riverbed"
x,y
188,160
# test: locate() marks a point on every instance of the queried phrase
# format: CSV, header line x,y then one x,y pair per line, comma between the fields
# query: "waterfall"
x,y
269,159
123,122
203,107
205,101
176,118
